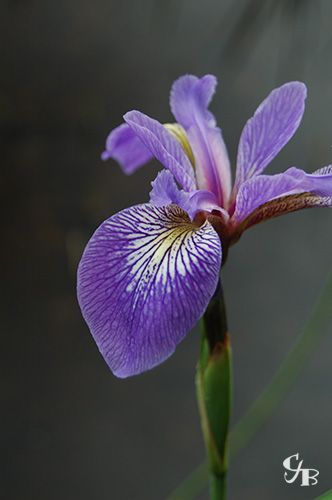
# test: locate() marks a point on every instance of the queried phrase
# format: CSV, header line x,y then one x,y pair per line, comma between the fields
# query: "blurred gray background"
x,y
69,70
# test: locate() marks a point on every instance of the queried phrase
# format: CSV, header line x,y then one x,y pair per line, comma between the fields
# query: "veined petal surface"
x,y
189,99
164,147
127,149
145,278
264,188
323,170
280,206
320,182
266,133
267,196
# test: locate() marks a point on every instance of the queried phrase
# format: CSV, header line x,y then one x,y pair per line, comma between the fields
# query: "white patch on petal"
x,y
145,278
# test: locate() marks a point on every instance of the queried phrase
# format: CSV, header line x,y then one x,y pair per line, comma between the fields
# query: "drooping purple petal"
x,y
266,133
145,278
264,197
189,100
164,147
127,149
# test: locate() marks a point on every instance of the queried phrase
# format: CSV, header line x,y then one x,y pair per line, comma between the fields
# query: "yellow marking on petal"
x,y
162,256
180,135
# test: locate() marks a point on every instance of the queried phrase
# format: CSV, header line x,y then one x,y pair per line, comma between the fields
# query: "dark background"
x,y
69,70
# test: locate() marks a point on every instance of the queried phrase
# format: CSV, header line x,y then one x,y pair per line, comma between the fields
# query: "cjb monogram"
x,y
308,476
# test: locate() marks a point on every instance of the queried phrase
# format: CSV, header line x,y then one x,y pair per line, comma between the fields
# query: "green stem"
x,y
214,392
249,425
214,320
218,487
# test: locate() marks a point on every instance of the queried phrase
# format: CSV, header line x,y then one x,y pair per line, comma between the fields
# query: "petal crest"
x,y
145,278
165,191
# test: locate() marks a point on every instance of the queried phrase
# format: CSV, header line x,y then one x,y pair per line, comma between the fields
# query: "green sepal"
x,y
214,400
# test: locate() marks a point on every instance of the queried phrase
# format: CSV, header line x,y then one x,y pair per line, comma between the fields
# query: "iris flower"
x,y
148,272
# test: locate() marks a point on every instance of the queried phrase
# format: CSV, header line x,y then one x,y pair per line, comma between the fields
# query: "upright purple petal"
x,y
266,133
145,278
164,147
127,149
190,94
189,100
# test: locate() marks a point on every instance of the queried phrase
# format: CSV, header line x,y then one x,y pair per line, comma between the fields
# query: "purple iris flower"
x,y
149,272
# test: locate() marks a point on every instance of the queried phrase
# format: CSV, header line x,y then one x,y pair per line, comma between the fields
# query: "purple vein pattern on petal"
x,y
320,182
189,100
164,147
280,206
145,278
266,133
127,149
264,188
323,170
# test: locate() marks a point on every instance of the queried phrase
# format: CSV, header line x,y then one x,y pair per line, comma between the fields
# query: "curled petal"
x,y
280,206
261,189
205,200
145,278
164,147
189,100
265,197
266,133
127,149
165,191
